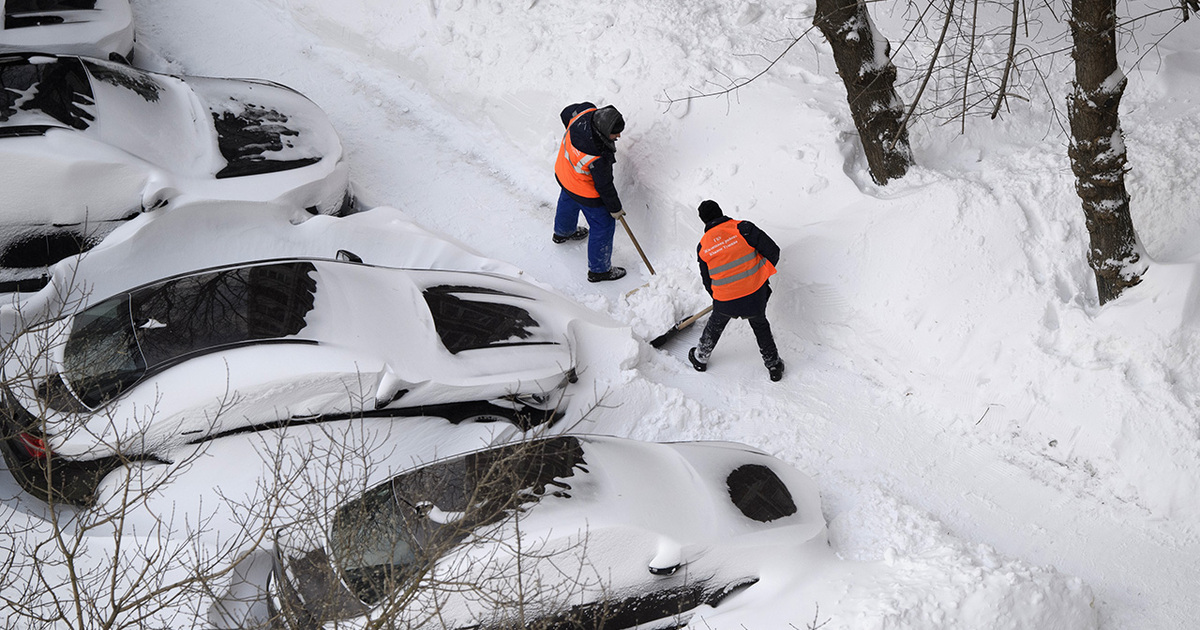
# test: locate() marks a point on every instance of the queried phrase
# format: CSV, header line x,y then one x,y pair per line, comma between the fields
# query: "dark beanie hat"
x,y
608,121
710,211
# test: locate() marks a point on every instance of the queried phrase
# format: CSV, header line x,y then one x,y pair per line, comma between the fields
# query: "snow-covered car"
x,y
260,345
87,143
93,28
558,532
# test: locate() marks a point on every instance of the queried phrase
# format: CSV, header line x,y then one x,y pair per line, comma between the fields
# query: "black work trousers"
x,y
762,333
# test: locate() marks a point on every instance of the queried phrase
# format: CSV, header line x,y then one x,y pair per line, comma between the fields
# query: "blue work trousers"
x,y
601,227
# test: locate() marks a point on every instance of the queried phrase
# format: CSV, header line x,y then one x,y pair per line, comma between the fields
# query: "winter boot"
x,y
578,235
776,370
697,363
614,273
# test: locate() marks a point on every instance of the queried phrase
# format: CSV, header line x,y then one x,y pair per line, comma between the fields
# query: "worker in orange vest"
x,y
736,261
584,170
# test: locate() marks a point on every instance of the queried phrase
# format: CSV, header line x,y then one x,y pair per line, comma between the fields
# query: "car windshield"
x,y
114,344
101,357
39,92
397,530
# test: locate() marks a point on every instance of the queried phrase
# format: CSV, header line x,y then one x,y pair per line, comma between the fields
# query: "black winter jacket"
x,y
583,137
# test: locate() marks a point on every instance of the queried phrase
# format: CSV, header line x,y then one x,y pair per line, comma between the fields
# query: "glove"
x,y
618,214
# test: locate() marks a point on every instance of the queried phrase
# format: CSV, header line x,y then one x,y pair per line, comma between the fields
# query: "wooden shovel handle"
x,y
636,245
692,320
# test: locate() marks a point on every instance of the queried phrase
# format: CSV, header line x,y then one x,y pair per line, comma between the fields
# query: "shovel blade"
x,y
658,341
662,339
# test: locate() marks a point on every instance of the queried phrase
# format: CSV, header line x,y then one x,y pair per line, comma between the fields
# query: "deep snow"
x,y
993,449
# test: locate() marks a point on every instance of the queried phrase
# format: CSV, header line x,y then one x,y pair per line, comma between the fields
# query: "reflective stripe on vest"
x,y
735,268
573,167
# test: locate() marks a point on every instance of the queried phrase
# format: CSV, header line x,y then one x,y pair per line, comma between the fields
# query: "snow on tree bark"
x,y
1097,149
861,55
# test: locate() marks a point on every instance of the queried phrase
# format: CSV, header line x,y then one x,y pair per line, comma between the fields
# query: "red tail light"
x,y
33,445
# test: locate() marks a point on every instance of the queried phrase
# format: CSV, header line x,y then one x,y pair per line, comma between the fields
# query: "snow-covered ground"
x,y
993,449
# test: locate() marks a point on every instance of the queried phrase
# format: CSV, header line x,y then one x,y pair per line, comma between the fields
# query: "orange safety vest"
x,y
573,167
735,268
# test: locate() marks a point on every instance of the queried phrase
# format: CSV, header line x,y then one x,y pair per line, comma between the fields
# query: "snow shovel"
x,y
658,341
636,245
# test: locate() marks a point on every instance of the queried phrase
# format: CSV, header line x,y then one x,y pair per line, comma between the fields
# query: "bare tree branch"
x,y
1010,59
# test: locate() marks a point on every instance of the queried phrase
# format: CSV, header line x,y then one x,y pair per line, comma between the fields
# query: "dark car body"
x,y
559,532
86,144
253,346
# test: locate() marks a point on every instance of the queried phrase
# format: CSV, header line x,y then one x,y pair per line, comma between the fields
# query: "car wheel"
x,y
523,416
478,411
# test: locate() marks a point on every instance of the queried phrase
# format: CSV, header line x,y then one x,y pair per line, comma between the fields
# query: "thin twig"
x,y
1012,44
738,85
970,62
928,73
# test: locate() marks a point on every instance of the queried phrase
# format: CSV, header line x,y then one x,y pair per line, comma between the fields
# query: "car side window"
x,y
196,313
113,344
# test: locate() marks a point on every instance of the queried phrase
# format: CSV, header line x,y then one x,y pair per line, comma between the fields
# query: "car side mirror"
x,y
391,388
153,199
664,570
668,559
348,256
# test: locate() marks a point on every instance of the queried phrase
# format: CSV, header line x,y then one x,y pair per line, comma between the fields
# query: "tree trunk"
x,y
869,76
1097,148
